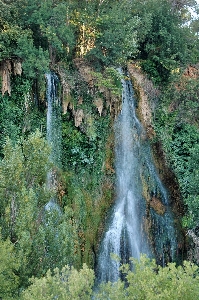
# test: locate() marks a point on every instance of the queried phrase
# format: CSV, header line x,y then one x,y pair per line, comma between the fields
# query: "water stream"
x,y
53,117
127,234
53,129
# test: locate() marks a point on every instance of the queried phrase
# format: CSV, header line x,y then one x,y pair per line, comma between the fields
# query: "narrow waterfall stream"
x,y
53,131
53,117
127,234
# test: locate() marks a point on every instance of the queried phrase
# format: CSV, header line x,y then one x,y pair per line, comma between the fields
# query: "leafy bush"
x,y
162,40
146,281
149,281
176,125
66,284
42,233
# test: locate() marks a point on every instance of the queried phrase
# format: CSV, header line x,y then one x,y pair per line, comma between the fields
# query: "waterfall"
x,y
53,129
53,118
126,235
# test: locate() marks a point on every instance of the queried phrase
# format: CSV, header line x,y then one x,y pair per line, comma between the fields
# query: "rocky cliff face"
x,y
8,67
103,99
147,96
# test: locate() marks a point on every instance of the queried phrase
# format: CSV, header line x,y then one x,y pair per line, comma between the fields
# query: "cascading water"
x,y
126,235
162,228
53,118
53,131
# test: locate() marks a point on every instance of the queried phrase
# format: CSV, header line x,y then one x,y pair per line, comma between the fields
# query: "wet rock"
x,y
157,205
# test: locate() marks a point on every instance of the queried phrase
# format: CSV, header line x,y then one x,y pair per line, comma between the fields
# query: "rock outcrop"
x,y
147,95
8,67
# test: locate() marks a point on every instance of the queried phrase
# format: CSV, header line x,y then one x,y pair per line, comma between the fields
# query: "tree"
x,y
149,281
116,34
66,284
17,41
50,26
9,266
164,44
44,235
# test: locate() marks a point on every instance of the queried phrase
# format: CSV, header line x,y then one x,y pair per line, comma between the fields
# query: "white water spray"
x,y
53,133
125,236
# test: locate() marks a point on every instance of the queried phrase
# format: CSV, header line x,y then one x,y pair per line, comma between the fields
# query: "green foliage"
x,y
22,180
38,33
44,236
83,159
185,95
149,281
116,34
184,147
29,158
164,44
176,125
88,186
106,32
78,150
17,42
33,59
18,114
11,120
54,241
8,270
66,284
146,281
86,148
51,22
8,40
109,79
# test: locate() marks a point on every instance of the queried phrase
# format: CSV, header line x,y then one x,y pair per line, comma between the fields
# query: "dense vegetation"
x,y
147,281
53,35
